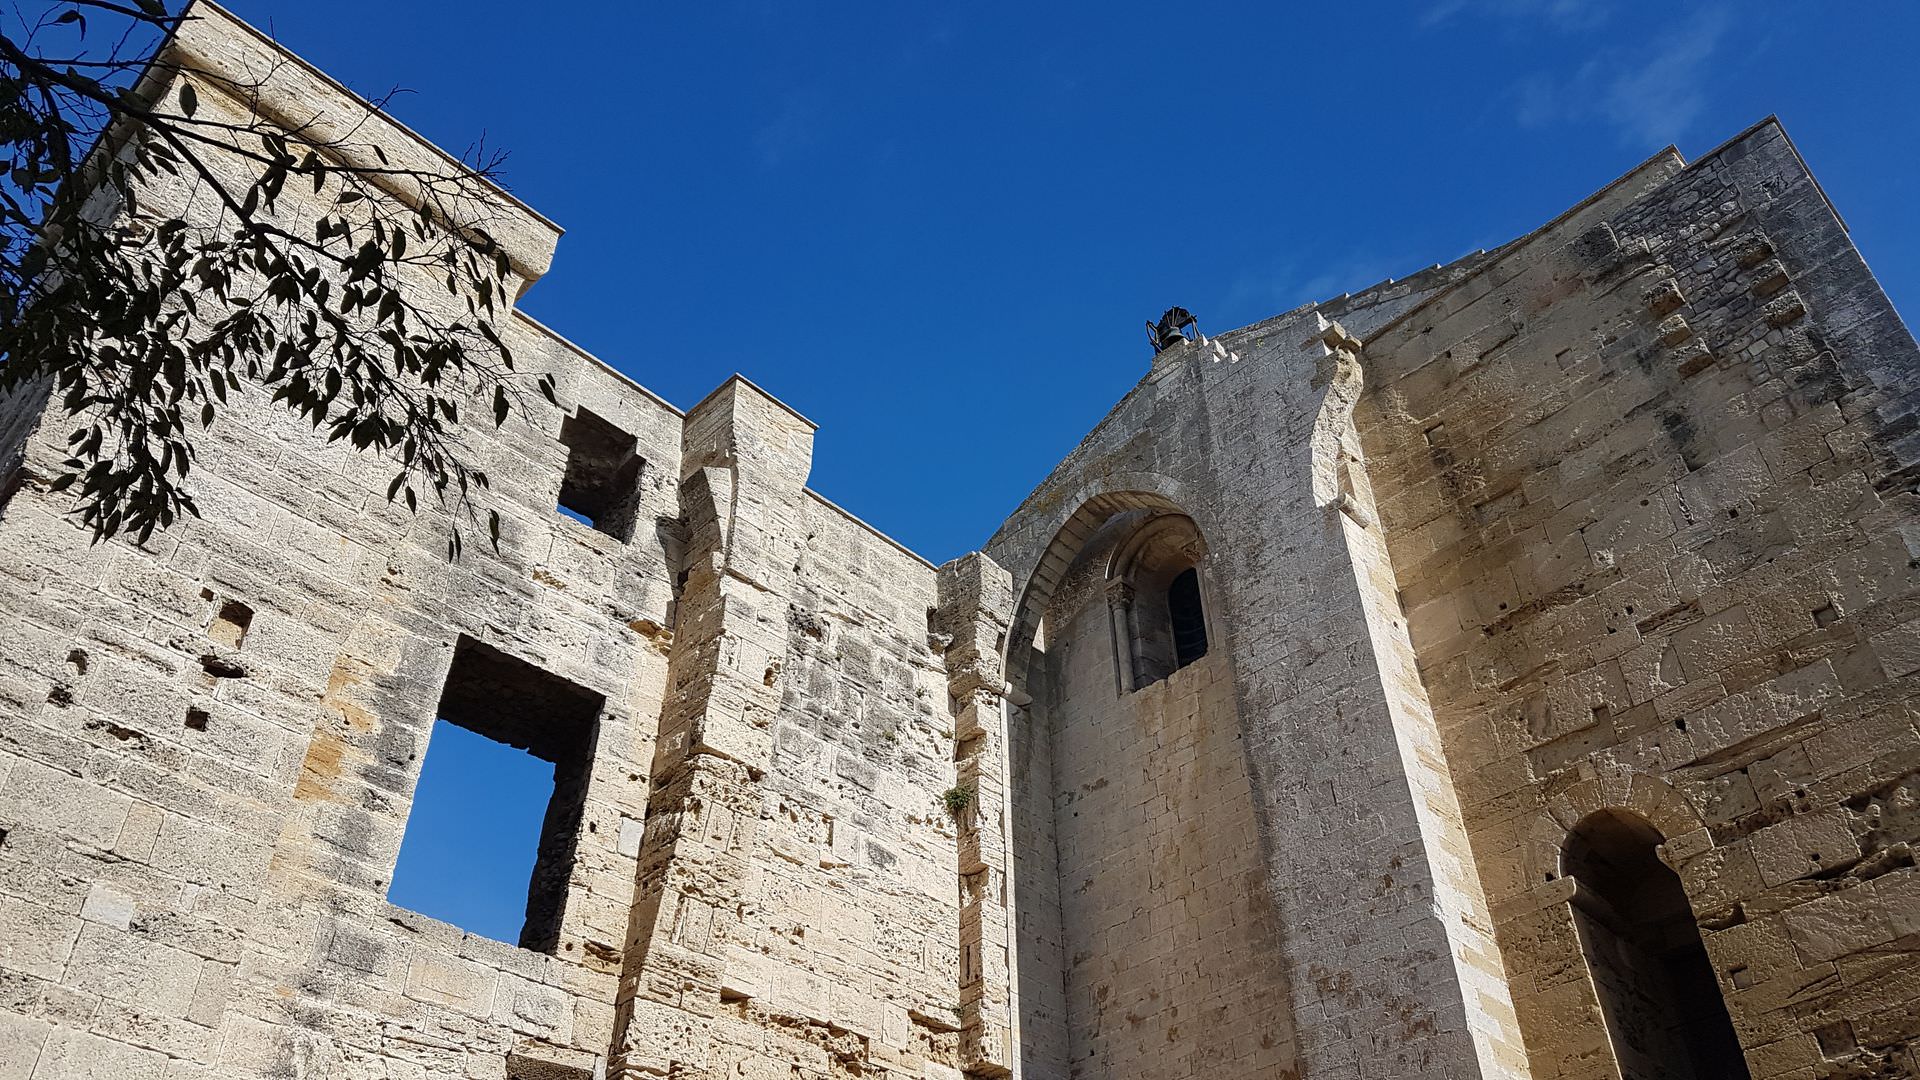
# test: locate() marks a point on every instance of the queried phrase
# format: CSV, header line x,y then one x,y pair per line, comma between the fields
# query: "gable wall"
x,y
1646,489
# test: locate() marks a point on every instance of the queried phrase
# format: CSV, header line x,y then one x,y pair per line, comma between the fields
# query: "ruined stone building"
x,y
1504,672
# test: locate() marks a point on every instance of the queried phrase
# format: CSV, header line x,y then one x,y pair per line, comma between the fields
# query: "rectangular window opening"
x,y
490,838
601,487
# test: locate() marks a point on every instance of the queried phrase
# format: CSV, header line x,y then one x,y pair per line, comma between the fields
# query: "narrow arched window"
x,y
1664,1013
1157,599
1189,619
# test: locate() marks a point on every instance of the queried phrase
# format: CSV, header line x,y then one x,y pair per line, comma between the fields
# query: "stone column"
x,y
1120,615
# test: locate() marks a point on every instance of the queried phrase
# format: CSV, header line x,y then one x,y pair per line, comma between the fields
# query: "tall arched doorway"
x,y
1664,1012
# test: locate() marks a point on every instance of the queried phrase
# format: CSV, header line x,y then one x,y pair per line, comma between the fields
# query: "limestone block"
x,y
632,833
1673,330
35,940
108,906
1691,357
530,1008
462,985
1785,309
1794,1055
1805,845
128,968
1764,948
211,993
1898,898
1767,278
1752,250
1836,925
21,1038
1663,297
77,1055
1898,649
88,813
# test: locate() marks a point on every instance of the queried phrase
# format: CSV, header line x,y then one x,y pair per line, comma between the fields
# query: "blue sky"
x,y
472,833
937,229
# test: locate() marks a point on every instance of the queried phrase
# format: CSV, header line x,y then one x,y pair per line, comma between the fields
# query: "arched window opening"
x,y
1189,619
1156,595
1662,1006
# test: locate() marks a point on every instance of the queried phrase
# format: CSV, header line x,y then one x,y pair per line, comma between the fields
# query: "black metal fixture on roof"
x,y
1172,329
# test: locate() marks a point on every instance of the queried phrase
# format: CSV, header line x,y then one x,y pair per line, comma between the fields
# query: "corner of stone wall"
x,y
218,49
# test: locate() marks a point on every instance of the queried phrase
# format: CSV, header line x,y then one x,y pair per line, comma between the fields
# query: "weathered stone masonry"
x,y
1554,715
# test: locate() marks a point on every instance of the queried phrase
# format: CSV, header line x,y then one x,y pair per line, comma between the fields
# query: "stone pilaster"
x,y
743,475
976,605
1362,830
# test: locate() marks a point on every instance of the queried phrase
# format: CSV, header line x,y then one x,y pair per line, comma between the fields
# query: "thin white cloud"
x,y
1285,285
1659,99
1559,14
1648,98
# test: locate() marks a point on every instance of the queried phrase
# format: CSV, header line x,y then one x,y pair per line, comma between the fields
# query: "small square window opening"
x,y
601,487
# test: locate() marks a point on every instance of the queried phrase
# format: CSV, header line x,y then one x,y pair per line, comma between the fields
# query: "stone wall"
x,y
1247,436
1611,524
1646,481
209,744
211,739
1169,937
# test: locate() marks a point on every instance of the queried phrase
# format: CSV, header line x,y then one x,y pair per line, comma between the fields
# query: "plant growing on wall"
x,y
957,799
151,269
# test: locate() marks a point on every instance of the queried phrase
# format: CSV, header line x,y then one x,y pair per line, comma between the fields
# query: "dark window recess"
x,y
1663,1008
601,487
1189,618
230,624
1154,599
510,701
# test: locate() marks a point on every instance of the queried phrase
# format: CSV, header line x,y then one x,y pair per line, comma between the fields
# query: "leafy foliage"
x,y
153,267
957,799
